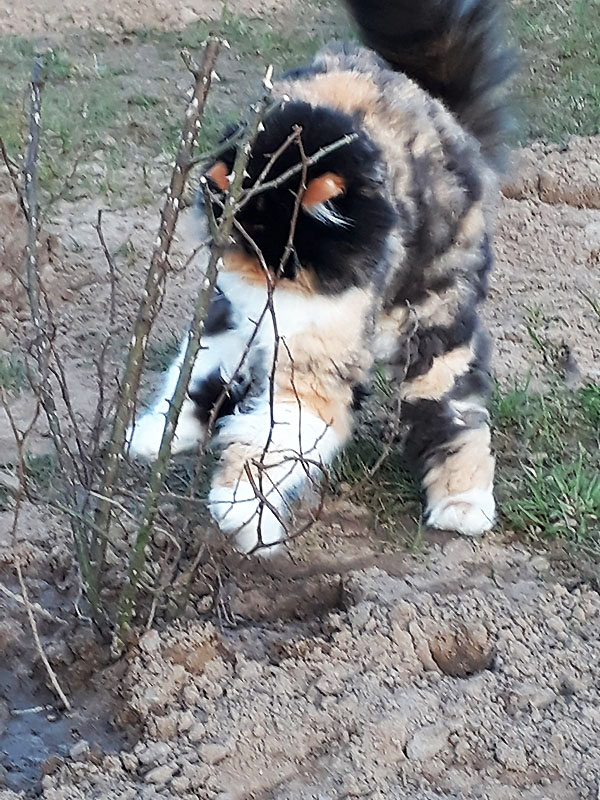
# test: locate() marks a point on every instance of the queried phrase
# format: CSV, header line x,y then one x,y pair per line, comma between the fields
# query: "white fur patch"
x,y
143,441
236,511
299,443
328,214
470,513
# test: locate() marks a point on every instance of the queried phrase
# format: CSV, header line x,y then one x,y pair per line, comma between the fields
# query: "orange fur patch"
x,y
250,270
347,91
440,377
469,465
319,366
219,174
323,188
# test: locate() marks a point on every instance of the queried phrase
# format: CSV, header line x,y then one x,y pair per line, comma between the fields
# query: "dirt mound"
x,y
542,309
558,175
475,676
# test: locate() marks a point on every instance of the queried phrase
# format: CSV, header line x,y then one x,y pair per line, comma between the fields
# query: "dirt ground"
x,y
114,16
468,670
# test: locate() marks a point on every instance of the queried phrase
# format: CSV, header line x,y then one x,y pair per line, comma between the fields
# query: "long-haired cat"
x,y
392,228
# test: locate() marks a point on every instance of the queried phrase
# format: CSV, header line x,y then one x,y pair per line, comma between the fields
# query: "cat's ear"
x,y
322,189
219,174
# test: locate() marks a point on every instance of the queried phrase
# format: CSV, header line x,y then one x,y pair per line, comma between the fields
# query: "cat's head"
x,y
342,219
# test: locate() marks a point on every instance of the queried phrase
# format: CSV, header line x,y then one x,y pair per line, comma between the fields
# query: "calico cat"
x,y
388,262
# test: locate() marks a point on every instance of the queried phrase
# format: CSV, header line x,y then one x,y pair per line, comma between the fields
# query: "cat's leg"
x,y
216,372
267,463
449,436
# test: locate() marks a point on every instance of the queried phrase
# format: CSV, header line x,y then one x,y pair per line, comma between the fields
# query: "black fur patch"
x,y
432,422
478,380
305,71
209,391
431,342
431,427
340,257
360,393
455,50
220,315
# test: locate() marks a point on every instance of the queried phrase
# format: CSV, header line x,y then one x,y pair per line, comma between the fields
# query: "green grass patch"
x,y
558,84
549,463
100,107
40,470
391,493
159,355
12,373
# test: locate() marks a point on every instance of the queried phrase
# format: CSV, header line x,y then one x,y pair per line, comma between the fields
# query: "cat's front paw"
x,y
470,513
144,438
238,514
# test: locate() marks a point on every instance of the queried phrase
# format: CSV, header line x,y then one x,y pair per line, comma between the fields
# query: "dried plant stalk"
x,y
221,239
152,293
43,333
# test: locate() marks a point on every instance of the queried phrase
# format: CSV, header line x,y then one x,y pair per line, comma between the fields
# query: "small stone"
x,y
512,757
180,784
185,721
539,563
427,742
166,727
159,775
213,753
129,761
150,642
329,684
197,732
80,750
571,685
556,624
155,753
51,765
531,694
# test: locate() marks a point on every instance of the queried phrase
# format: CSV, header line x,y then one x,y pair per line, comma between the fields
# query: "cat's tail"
x,y
453,48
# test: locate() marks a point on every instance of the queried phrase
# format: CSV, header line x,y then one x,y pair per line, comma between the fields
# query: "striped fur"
x,y
389,262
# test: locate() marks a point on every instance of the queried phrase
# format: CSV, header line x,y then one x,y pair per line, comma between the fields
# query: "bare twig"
x,y
18,598
33,228
153,289
13,173
128,596
42,345
289,173
112,272
20,438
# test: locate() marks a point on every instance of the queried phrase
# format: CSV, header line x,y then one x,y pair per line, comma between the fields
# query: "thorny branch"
x,y
153,291
127,600
43,333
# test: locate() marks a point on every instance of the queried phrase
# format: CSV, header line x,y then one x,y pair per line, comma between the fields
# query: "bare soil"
x,y
114,16
468,670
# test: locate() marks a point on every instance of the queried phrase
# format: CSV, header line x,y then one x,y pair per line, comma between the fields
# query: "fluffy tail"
x,y
453,48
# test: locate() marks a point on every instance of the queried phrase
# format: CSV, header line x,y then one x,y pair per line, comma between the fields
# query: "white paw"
x,y
143,440
237,513
470,513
